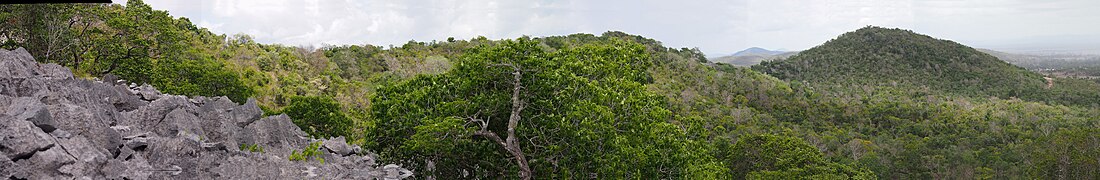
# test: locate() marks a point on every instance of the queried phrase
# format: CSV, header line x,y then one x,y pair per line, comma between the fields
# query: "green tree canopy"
x,y
778,157
586,115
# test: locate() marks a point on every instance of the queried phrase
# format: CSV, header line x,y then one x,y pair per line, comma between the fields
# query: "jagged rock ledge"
x,y
53,126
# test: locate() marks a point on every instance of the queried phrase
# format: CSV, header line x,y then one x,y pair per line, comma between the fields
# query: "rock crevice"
x,y
53,126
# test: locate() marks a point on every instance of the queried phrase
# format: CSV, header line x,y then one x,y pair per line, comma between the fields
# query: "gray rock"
x,y
46,164
53,126
24,87
219,127
81,121
110,79
54,71
147,92
88,157
32,110
218,121
197,101
83,149
5,101
217,146
20,139
129,167
17,64
395,172
179,121
238,167
61,134
164,153
120,97
7,167
337,145
136,143
40,117
221,102
153,113
93,98
247,113
275,132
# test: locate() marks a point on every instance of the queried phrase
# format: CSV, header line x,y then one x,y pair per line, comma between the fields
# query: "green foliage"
x,y
776,157
252,148
1069,154
135,42
319,116
1072,91
587,115
199,78
899,133
311,151
347,60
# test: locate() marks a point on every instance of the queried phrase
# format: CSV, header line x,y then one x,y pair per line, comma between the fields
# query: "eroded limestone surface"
x,y
53,126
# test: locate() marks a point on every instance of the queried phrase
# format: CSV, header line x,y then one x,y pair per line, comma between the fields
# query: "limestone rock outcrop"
x,y
54,126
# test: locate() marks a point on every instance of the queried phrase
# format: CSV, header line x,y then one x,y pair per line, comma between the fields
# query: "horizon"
x,y
717,28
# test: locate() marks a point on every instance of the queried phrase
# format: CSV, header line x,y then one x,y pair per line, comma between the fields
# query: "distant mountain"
x,y
757,51
752,56
882,56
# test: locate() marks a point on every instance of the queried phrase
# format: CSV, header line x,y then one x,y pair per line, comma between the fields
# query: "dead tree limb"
x,y
510,143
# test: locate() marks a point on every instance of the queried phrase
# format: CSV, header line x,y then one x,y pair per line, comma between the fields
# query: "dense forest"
x,y
875,103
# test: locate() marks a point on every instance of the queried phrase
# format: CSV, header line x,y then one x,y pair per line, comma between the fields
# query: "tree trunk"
x,y
510,143
513,121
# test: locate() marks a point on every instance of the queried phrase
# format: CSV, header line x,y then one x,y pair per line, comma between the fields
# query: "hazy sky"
x,y
718,27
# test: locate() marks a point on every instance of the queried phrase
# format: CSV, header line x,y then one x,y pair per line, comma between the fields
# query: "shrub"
x,y
313,150
319,116
252,148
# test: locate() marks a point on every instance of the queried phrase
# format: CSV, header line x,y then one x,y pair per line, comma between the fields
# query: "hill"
x,y
757,51
753,56
882,56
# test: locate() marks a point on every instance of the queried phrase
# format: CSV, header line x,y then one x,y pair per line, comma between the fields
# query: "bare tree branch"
x,y
510,143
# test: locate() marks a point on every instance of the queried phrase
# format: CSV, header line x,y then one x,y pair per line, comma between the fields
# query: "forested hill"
x,y
882,56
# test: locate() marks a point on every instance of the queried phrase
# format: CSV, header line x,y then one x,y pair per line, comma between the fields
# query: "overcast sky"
x,y
718,27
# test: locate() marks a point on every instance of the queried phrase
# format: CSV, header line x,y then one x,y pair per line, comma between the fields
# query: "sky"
x,y
717,27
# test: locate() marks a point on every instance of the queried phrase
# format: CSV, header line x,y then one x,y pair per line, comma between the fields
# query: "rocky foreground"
x,y
53,126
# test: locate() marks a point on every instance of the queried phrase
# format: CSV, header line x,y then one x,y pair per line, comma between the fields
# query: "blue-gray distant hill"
x,y
757,51
753,56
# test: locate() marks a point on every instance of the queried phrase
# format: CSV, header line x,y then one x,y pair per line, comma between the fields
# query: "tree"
x,y
318,116
777,157
510,143
579,112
